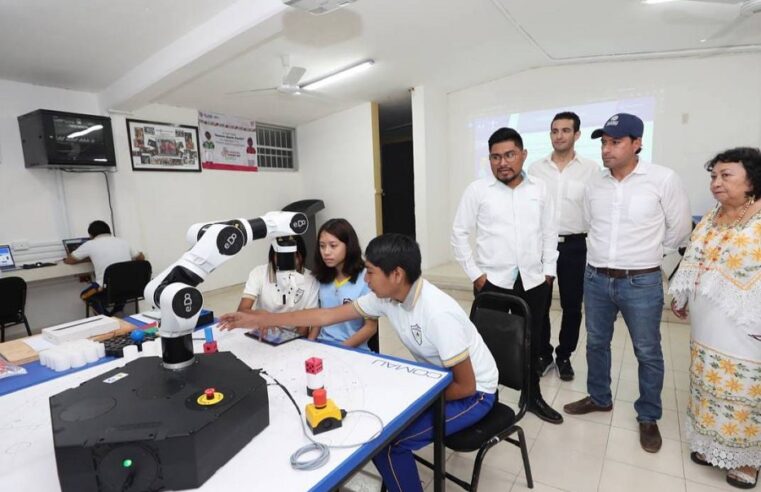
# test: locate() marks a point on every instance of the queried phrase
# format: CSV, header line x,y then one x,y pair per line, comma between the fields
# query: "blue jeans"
x,y
639,298
396,463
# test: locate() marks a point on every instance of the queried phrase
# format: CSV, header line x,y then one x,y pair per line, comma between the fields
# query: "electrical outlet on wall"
x,y
20,245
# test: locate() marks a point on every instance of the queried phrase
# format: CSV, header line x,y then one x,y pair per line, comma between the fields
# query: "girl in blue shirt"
x,y
340,270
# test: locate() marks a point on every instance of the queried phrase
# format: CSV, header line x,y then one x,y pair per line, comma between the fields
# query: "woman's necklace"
x,y
739,219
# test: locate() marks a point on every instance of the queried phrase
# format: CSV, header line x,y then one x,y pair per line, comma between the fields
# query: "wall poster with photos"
x,y
163,146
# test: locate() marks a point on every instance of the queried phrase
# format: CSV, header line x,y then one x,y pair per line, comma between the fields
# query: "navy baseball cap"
x,y
621,125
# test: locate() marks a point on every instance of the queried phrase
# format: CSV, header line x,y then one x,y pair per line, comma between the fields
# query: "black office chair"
x,y
13,295
373,343
122,283
504,321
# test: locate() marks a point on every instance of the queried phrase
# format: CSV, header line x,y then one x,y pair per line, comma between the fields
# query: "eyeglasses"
x,y
509,156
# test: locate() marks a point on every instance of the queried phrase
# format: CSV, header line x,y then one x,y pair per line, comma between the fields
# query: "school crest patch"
x,y
298,296
417,333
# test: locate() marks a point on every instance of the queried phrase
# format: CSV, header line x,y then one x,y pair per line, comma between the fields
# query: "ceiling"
x,y
88,44
94,45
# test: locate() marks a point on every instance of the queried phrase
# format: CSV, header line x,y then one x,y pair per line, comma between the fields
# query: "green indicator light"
x,y
127,463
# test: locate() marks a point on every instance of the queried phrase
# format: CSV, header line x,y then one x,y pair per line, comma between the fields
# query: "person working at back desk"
x,y
103,250
432,326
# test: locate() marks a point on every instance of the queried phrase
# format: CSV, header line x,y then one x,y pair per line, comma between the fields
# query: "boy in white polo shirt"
x,y
432,326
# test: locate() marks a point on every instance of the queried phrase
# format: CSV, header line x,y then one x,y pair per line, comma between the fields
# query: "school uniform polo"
x,y
436,330
274,299
333,294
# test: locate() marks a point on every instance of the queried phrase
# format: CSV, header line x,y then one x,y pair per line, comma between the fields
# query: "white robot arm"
x,y
173,290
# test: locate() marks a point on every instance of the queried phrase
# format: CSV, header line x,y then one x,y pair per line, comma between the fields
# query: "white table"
x,y
59,270
396,390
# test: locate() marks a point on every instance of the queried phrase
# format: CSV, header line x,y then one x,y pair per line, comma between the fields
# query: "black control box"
x,y
143,427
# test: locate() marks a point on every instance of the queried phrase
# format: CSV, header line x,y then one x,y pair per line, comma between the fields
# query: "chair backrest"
x,y
504,322
126,280
12,299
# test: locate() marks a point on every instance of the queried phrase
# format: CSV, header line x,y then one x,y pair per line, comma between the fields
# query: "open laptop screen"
x,y
6,258
71,244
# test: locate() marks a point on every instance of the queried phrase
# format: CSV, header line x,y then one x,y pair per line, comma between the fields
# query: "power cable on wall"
x,y
108,192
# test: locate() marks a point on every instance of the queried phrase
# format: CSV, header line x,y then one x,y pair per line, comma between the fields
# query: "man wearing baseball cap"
x,y
635,211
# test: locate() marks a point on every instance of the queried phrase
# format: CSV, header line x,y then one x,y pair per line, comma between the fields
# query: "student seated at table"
x,y
103,249
341,272
282,284
432,326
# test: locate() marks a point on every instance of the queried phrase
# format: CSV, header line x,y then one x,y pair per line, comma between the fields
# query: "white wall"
x,y
154,209
429,133
30,199
336,161
703,105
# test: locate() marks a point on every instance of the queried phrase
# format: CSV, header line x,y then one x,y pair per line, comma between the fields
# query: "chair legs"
x,y
524,455
473,485
23,320
521,443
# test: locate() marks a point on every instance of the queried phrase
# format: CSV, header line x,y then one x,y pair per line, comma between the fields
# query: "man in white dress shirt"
x,y
636,210
516,240
566,174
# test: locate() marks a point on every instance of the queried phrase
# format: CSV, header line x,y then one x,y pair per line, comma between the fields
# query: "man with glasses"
x,y
516,241
566,174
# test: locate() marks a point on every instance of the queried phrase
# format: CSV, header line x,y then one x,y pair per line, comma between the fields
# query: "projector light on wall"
x,y
318,7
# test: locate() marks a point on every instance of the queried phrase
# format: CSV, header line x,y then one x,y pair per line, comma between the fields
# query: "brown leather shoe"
x,y
585,405
650,437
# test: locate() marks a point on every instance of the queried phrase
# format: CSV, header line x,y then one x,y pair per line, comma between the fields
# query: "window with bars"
x,y
275,147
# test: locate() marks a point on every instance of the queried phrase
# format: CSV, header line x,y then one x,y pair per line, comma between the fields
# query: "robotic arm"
x,y
213,243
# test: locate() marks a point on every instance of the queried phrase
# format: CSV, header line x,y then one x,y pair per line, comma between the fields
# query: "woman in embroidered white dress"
x,y
719,281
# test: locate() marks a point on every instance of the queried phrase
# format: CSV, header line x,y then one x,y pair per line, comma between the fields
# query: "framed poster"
x,y
229,142
163,146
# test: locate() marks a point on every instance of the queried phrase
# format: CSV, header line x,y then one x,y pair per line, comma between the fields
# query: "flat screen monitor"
x,y
6,258
71,244
55,139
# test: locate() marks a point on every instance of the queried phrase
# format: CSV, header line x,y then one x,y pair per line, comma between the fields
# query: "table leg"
x,y
439,479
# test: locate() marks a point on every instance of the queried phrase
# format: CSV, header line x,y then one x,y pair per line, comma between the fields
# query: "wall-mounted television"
x,y
59,140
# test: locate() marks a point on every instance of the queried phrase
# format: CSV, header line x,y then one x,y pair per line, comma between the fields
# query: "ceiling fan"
x,y
289,83
744,10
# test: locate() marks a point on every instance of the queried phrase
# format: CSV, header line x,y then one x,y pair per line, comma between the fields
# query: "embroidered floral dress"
x,y
720,278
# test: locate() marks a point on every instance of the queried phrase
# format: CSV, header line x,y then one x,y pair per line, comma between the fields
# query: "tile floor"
x,y
595,452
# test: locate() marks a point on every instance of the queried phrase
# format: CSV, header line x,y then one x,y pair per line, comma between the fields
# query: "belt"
x,y
618,273
571,237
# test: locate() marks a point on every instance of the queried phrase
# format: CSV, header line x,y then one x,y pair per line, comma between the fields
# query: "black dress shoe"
x,y
565,371
544,411
543,365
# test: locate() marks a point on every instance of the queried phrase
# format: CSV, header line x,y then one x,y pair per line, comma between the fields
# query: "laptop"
x,y
6,258
69,245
